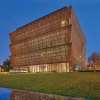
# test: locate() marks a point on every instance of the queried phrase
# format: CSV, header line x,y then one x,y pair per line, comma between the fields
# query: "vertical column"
x,y
68,67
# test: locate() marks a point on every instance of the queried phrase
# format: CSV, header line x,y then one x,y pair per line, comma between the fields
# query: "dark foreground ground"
x,y
83,84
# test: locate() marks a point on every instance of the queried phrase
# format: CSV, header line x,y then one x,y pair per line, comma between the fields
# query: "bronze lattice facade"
x,y
52,43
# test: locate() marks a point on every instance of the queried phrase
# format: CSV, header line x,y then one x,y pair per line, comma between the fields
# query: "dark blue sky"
x,y
15,13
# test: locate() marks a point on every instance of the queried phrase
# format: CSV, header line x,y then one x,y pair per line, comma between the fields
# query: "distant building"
x,y
53,43
1,68
97,63
97,66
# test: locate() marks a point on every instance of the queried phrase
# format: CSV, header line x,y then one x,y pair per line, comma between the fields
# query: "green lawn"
x,y
69,84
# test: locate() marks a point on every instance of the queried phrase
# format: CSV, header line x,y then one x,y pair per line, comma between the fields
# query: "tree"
x,y
6,65
94,59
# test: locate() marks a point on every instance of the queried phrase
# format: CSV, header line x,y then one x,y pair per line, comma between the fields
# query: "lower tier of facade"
x,y
56,67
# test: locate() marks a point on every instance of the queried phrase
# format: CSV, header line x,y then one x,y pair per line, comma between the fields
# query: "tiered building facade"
x,y
53,43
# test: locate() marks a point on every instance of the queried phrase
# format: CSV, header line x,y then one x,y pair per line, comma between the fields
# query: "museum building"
x,y
52,43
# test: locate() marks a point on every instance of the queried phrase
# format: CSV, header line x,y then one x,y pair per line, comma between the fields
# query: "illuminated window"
x,y
64,23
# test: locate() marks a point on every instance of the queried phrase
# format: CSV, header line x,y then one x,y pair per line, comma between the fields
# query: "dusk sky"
x,y
15,13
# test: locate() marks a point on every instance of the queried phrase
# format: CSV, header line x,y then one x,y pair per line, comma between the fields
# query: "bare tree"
x,y
6,65
94,60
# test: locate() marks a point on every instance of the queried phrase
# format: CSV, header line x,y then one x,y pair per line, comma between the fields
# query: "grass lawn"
x,y
82,84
